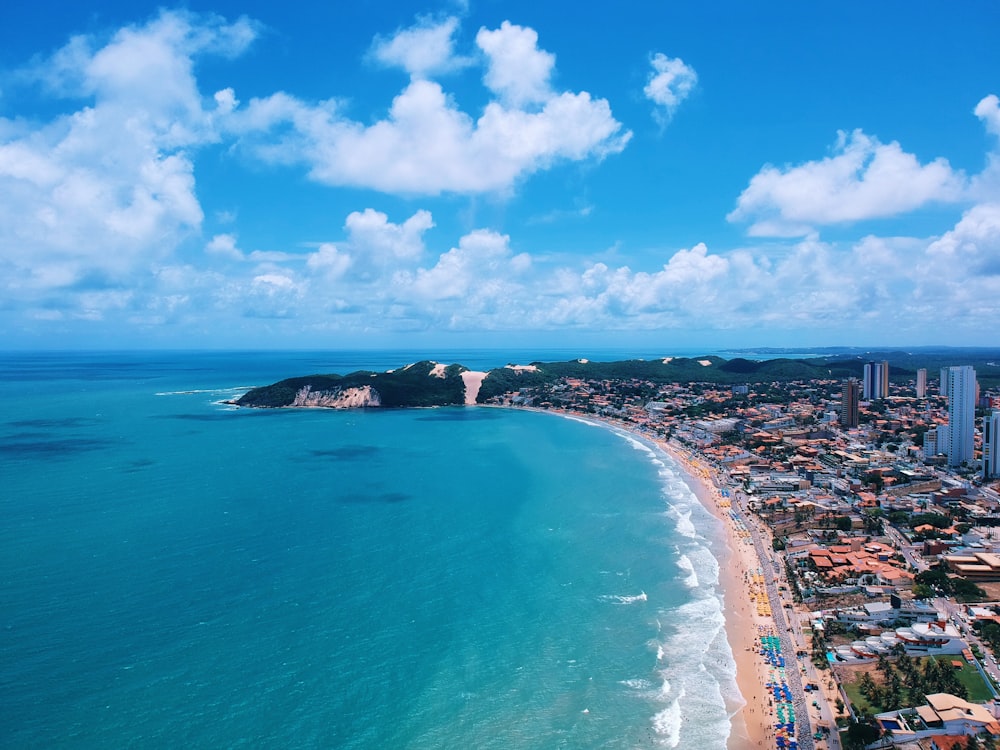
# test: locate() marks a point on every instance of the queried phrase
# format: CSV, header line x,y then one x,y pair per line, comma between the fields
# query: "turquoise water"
x,y
175,572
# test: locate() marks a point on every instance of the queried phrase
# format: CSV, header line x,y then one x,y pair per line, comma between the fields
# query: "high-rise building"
x,y
931,439
849,403
922,382
991,446
943,383
876,381
961,390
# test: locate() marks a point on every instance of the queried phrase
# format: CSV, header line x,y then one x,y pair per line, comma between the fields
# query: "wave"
x,y
621,599
698,672
684,563
685,527
196,391
667,722
694,658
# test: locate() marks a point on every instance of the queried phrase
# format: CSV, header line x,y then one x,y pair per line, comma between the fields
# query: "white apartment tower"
x,y
922,382
876,381
961,390
991,445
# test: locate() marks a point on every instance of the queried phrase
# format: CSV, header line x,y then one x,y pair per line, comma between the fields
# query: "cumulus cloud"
x,y
422,50
480,265
427,145
224,245
517,69
669,83
988,110
371,233
864,179
329,261
94,194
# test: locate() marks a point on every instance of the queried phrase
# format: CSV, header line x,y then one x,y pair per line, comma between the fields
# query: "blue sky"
x,y
261,175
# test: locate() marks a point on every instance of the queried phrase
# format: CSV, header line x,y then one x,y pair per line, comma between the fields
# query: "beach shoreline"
x,y
750,723
752,720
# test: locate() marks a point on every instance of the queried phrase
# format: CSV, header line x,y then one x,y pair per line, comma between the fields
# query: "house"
x,y
943,715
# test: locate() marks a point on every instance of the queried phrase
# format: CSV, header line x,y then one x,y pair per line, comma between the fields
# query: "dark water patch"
x,y
57,423
381,498
209,416
347,452
138,465
464,414
31,446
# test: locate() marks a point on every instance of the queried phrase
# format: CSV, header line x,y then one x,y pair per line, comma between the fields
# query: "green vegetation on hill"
x,y
413,385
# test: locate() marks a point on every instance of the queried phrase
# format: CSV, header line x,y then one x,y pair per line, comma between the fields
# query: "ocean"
x,y
175,572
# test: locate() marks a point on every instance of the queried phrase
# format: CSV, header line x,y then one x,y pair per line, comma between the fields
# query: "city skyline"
x,y
471,174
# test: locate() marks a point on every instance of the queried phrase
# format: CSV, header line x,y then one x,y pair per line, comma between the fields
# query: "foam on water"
x,y
625,599
684,563
694,659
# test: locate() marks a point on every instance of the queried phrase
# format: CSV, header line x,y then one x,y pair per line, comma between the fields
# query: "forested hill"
x,y
430,384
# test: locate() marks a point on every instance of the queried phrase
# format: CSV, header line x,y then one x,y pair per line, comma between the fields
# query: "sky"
x,y
383,174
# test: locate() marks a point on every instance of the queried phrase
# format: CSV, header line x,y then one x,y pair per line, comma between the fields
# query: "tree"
x,y
859,734
922,591
875,480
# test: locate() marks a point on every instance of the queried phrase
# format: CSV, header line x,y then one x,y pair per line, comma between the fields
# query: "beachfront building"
x,y
918,639
937,637
961,392
944,714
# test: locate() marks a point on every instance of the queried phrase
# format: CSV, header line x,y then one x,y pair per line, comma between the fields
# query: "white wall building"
x,y
961,390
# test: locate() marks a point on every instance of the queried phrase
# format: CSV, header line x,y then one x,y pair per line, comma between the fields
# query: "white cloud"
x,y
669,84
224,245
479,266
988,110
972,248
94,194
864,179
226,100
422,50
329,261
371,232
517,70
427,145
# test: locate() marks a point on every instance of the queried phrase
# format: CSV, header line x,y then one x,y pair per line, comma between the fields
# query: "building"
x,y
931,441
977,566
922,382
961,391
876,381
849,404
944,715
991,445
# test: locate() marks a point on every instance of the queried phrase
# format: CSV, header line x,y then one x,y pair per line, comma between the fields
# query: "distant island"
x,y
429,383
